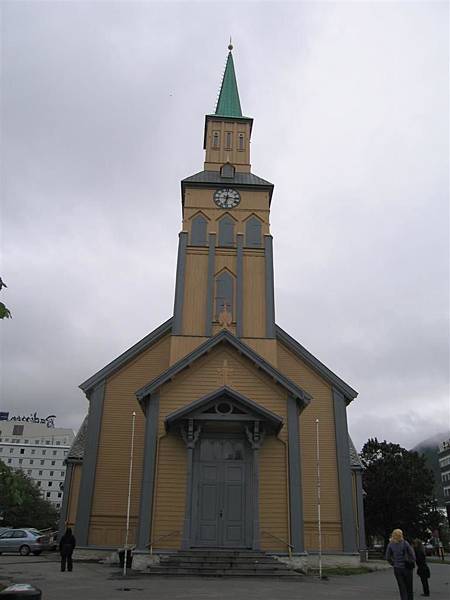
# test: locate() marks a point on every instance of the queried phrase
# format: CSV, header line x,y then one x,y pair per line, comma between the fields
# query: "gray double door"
x,y
222,499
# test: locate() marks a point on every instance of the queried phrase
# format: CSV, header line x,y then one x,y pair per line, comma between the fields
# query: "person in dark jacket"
x,y
401,556
423,570
66,548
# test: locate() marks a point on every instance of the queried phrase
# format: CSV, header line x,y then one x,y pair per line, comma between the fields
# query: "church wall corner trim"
x,y
148,473
87,483
344,473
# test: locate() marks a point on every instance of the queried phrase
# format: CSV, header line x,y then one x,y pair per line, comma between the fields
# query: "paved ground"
x,y
92,581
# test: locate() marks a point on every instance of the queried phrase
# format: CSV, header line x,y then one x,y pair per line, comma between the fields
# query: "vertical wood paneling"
x,y
111,482
254,313
321,407
195,292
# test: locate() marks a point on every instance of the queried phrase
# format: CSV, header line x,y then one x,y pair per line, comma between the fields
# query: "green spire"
x,y
228,104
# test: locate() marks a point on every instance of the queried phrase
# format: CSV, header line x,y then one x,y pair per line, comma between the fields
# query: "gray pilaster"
x,y
65,502
87,483
295,478
148,473
186,541
210,284
239,285
179,285
256,536
344,472
270,298
362,546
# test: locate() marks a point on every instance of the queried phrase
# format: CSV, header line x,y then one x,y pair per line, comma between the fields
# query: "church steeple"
x,y
227,131
228,104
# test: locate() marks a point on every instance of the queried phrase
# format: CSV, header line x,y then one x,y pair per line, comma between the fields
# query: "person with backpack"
x,y
400,555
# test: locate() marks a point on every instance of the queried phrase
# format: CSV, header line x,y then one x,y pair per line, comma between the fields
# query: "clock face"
x,y
227,198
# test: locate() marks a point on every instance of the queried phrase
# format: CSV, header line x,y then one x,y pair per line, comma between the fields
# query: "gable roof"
x,y
126,356
223,336
355,461
76,451
255,408
348,392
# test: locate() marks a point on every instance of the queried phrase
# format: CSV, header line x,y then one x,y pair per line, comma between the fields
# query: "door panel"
x,y
209,488
220,491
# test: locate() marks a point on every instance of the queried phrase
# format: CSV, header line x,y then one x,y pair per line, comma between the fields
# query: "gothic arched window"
x,y
226,231
198,231
253,232
224,293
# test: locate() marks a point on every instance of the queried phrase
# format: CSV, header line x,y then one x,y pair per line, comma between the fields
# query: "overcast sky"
x,y
102,115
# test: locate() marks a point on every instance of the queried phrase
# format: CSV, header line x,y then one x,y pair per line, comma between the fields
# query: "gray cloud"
x,y
102,115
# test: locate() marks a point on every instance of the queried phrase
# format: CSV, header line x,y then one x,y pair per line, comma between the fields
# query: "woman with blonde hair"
x,y
401,556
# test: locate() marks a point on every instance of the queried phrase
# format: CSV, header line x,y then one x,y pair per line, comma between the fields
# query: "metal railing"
x,y
289,546
158,539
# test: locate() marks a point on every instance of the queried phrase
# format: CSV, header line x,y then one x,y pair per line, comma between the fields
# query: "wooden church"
x,y
226,401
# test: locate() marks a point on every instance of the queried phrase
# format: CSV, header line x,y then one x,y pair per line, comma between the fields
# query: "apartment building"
x,y
39,450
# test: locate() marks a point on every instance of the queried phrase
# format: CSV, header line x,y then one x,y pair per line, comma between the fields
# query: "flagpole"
x,y
129,493
318,498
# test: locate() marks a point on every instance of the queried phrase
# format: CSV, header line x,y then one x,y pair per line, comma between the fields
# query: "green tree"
x,y
21,504
399,491
5,313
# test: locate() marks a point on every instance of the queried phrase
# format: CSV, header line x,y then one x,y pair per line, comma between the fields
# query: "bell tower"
x,y
225,265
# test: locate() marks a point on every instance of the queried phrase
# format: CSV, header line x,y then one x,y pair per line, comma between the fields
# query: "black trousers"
x,y
66,558
426,587
404,579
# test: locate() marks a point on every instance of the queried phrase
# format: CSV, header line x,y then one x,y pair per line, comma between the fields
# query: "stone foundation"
x,y
334,560
143,560
94,554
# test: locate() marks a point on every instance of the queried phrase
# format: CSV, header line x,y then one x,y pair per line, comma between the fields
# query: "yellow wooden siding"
x,y
73,491
321,407
195,291
202,378
226,259
254,296
273,495
113,458
170,493
265,348
181,345
203,199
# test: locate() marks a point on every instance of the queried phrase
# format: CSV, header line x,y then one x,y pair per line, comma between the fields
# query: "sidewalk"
x,y
93,581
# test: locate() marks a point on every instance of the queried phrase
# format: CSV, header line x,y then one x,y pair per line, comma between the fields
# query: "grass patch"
x,y
339,571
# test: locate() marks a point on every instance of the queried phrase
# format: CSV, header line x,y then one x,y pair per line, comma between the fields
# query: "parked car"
x,y
24,541
429,549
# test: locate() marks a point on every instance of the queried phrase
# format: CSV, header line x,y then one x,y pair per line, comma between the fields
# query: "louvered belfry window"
x,y
253,232
226,231
198,231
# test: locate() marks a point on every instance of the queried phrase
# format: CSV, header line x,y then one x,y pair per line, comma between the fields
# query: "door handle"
x,y
220,513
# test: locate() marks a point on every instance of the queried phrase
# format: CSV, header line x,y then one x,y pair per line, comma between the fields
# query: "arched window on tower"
x,y
224,293
198,231
253,232
226,231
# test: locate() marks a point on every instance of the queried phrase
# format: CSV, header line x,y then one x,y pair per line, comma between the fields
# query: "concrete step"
x,y
172,571
194,560
221,563
222,566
